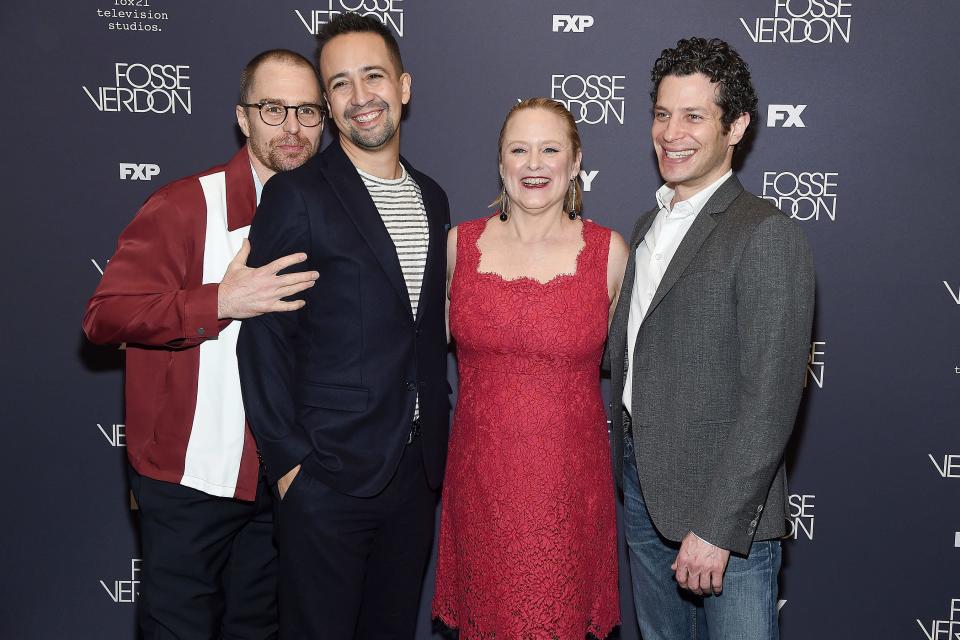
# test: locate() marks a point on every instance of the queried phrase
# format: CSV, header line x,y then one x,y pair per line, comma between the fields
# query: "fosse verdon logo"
x,y
96,265
145,88
127,590
592,99
115,434
945,629
796,21
948,467
389,12
816,364
955,295
805,195
800,520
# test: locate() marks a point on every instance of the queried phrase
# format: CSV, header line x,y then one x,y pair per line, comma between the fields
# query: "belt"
x,y
414,431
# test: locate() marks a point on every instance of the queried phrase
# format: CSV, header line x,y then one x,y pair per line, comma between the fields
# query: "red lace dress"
x,y
527,529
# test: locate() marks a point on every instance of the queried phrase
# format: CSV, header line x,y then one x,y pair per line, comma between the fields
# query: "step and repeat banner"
x,y
107,100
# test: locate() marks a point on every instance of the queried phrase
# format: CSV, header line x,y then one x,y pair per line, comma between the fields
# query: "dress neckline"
x,y
559,277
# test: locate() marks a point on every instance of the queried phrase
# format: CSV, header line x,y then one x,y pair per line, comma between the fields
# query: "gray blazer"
x,y
718,371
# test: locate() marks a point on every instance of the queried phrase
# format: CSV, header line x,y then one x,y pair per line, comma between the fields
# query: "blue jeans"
x,y
745,610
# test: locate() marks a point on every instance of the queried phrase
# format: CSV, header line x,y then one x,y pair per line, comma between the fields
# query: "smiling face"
x,y
693,150
537,161
365,90
288,145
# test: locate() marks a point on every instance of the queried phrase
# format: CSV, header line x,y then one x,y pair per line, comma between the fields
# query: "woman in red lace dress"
x,y
528,531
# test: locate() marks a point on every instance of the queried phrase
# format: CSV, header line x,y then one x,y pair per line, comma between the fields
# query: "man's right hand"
x,y
246,292
284,483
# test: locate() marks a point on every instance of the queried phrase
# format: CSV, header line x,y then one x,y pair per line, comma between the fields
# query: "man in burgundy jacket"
x,y
174,291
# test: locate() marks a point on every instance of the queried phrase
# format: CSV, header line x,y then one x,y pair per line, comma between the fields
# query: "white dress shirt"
x,y
257,185
653,256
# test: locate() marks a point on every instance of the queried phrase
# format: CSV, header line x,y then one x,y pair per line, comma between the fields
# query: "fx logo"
x,y
566,24
134,171
789,113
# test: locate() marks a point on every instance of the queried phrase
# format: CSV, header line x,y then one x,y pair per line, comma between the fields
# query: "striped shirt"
x,y
401,208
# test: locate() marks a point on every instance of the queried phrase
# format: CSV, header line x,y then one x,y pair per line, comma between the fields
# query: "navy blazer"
x,y
332,386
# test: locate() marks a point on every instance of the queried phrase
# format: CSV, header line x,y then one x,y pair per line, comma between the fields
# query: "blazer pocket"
x,y
707,289
700,273
643,419
297,481
723,425
339,398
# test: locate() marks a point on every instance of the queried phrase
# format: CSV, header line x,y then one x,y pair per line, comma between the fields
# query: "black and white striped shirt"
x,y
400,204
401,207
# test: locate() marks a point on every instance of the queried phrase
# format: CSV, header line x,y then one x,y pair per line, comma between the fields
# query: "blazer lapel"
x,y
618,326
701,229
436,243
645,223
349,188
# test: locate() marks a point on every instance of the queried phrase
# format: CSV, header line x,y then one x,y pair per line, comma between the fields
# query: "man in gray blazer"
x,y
709,342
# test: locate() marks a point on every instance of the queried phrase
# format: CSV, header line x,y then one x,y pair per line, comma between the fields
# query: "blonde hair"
x,y
547,104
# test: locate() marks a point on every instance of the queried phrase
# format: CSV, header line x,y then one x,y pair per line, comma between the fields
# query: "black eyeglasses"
x,y
274,113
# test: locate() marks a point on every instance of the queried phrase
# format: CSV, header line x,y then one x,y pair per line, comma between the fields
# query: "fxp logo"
x,y
567,24
135,171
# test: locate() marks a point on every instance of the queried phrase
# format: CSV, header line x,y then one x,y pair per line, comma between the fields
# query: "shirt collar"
x,y
393,181
694,204
256,183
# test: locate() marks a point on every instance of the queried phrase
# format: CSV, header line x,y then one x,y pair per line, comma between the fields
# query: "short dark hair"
x,y
279,55
352,22
718,61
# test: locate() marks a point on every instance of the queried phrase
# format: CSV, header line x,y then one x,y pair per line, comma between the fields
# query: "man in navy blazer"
x,y
348,397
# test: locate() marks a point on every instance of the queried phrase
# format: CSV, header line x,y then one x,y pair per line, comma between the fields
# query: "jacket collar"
x,y
349,188
241,194
699,231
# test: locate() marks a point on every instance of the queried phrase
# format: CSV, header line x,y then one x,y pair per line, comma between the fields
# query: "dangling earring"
x,y
572,197
504,203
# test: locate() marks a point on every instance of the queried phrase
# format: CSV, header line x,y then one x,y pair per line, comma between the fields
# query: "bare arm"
x,y
616,265
451,265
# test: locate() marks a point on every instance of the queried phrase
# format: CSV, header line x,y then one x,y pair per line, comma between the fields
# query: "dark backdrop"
x,y
856,138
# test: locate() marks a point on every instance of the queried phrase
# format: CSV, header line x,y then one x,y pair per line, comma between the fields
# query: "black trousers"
x,y
353,567
209,567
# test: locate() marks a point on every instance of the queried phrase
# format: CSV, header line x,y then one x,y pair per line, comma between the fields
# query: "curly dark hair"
x,y
718,61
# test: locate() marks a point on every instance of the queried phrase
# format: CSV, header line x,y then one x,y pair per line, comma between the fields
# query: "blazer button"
x,y
411,386
201,331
